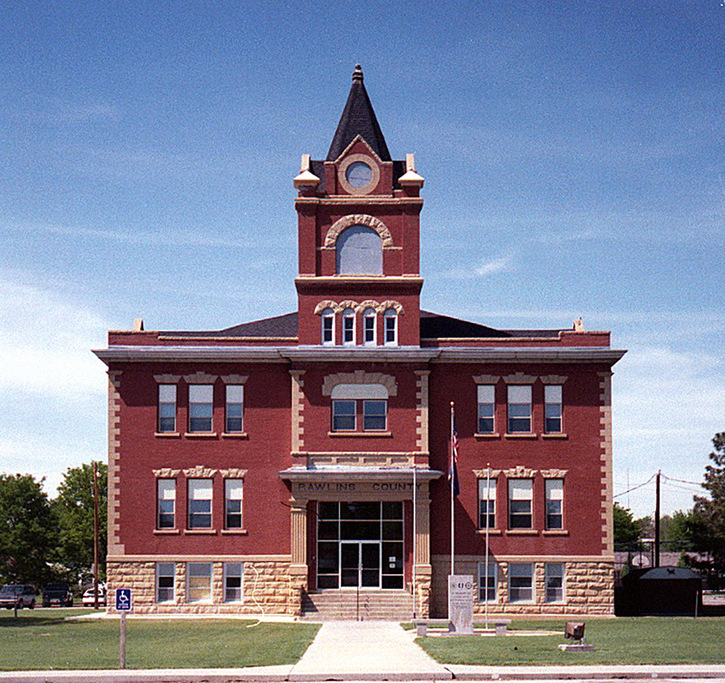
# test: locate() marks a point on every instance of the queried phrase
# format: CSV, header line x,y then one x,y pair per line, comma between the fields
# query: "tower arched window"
x,y
348,327
359,251
328,327
370,332
390,329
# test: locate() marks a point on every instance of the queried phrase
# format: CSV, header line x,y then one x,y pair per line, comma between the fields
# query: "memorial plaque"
x,y
461,589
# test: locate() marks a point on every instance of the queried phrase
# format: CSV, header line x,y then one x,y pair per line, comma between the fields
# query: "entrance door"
x,y
360,564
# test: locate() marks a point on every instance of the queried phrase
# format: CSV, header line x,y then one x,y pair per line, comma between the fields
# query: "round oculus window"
x,y
359,174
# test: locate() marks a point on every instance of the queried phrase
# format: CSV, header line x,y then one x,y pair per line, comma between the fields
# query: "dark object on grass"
x,y
659,591
574,630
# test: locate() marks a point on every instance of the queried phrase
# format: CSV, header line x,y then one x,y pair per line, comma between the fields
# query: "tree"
x,y
677,531
627,530
708,519
74,509
27,530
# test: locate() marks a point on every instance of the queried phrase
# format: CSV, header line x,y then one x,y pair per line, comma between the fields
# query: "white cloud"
x,y
485,268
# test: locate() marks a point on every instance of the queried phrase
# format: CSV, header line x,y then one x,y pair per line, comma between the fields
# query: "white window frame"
x,y
166,403
165,494
233,498
390,327
162,572
519,408
370,327
359,395
327,327
234,402
200,490
520,490
492,581
348,327
201,397
553,409
486,403
555,582
233,571
487,501
199,591
518,593
554,498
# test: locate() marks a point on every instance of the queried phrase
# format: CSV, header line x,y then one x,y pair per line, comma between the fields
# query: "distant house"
x,y
297,464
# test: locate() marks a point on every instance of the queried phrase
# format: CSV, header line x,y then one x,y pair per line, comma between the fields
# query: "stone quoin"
x,y
267,466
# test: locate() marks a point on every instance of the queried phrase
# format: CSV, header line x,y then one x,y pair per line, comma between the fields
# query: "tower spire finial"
x,y
357,75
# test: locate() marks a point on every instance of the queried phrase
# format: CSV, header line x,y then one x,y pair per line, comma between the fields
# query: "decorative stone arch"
x,y
358,219
327,303
348,304
395,305
360,377
368,303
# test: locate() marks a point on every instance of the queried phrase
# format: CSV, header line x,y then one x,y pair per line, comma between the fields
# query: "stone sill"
x,y
165,532
558,435
555,532
235,435
201,435
521,435
369,435
491,532
233,532
199,532
168,435
486,435
522,532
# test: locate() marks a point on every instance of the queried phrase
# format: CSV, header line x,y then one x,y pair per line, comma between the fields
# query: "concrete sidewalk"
x,y
374,651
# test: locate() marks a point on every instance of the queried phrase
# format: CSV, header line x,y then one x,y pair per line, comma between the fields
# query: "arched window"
x,y
359,251
390,318
370,332
348,327
328,327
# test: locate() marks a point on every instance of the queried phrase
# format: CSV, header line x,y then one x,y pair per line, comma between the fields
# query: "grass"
x,y
43,639
625,640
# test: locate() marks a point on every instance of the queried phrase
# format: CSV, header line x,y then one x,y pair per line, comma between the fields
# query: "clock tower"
x,y
359,237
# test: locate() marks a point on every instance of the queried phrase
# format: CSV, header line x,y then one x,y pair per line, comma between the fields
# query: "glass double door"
x,y
360,564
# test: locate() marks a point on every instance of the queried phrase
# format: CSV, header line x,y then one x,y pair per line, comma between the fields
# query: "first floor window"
x,y
200,497
234,422
369,331
201,406
552,408
486,408
374,415
520,497
165,572
519,408
487,589
233,572
521,582
391,327
167,408
348,326
233,503
198,581
486,503
328,326
165,503
554,581
554,503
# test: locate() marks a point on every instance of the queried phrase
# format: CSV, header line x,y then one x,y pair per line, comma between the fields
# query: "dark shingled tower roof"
x,y
358,118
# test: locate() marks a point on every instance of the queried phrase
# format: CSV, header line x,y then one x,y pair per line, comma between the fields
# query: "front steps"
x,y
350,605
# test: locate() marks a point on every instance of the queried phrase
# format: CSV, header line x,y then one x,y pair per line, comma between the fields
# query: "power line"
x,y
684,481
634,488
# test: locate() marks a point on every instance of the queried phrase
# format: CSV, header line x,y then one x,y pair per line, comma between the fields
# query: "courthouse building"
x,y
298,464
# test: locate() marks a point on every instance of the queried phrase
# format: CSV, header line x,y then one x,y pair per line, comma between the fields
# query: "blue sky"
x,y
573,155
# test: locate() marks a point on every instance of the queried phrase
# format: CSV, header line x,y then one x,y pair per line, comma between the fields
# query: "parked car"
x,y
89,599
57,595
17,594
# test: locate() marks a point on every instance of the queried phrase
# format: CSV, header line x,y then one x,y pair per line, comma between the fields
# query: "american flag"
x,y
453,467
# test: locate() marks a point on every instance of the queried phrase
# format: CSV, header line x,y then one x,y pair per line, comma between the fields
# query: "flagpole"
x,y
415,534
453,486
488,501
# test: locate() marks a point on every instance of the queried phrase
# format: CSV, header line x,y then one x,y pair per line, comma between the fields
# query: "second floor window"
x,y
347,414
234,422
165,503
554,503
486,408
552,408
201,407
167,408
519,408
233,503
520,499
200,497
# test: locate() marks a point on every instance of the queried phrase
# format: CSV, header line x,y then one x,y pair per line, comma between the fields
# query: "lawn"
x,y
625,640
43,639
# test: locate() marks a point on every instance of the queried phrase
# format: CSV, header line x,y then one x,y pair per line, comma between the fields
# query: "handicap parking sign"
x,y
123,599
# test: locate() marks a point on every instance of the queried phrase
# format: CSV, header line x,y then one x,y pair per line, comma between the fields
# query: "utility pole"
x,y
656,562
95,535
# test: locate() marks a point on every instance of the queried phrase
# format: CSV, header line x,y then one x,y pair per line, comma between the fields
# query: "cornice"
x,y
367,200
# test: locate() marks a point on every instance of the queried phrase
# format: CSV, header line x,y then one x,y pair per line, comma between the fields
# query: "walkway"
x,y
370,648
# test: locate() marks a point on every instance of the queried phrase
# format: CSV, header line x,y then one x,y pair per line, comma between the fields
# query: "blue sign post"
x,y
124,602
